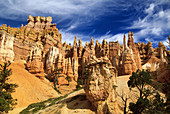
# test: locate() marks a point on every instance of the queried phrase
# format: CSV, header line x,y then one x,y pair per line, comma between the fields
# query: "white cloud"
x,y
78,12
150,9
155,24
69,37
83,12
71,27
151,40
11,9
156,31
111,38
161,14
165,42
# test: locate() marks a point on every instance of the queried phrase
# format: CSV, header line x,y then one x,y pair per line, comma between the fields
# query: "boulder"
x,y
150,48
49,19
152,63
100,87
30,21
75,47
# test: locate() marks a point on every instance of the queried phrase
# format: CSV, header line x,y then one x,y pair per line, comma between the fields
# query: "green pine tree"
x,y
6,101
149,99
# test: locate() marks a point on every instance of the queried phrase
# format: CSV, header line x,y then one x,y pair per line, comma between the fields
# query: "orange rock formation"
x,y
42,39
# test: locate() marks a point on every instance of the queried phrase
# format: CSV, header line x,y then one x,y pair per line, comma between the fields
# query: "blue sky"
x,y
100,19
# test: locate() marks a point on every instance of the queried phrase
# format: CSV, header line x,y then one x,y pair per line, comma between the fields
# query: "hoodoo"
x,y
39,44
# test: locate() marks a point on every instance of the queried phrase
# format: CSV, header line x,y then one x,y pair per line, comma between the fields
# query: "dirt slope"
x,y
75,103
31,89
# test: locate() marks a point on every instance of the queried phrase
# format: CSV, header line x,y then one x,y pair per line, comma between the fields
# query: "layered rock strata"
x,y
135,51
6,47
55,62
128,64
17,43
35,65
75,60
51,59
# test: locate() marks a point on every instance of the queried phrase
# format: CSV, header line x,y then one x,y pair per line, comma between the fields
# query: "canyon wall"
x,y
40,45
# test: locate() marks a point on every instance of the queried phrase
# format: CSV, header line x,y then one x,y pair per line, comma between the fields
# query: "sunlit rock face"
x,y
6,47
135,51
52,55
128,64
38,29
35,65
114,53
18,43
75,60
154,57
99,86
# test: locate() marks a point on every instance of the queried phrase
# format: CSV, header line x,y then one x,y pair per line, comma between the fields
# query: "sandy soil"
x,y
123,90
16,110
76,103
30,89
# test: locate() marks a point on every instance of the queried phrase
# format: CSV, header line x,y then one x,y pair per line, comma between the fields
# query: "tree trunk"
x,y
125,107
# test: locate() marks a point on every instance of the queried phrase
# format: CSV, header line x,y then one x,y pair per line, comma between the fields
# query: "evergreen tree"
x,y
6,100
149,99
139,80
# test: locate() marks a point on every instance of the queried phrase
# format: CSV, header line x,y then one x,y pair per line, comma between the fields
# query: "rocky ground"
x,y
76,102
33,90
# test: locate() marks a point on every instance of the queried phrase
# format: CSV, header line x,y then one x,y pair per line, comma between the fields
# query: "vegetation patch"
x,y
35,107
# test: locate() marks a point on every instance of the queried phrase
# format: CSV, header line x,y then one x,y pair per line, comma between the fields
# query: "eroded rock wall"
x,y
6,47
34,64
18,43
